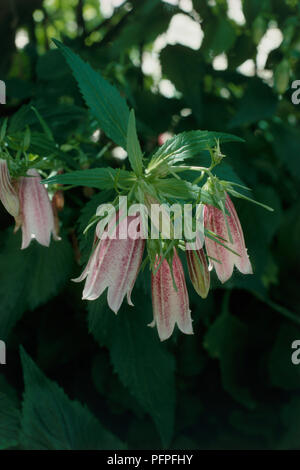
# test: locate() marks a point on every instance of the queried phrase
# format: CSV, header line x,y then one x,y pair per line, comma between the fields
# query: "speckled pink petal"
x,y
242,262
215,222
114,265
170,306
37,213
8,195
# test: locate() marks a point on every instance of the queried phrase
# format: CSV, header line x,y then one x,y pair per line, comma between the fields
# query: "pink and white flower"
x,y
114,264
37,219
170,305
222,259
8,194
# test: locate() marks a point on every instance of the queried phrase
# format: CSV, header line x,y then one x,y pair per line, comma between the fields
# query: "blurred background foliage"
x,y
101,381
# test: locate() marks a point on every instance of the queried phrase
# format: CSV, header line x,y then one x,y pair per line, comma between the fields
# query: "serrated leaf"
x,y
100,178
51,421
177,188
187,145
133,146
30,277
9,416
141,361
181,189
103,99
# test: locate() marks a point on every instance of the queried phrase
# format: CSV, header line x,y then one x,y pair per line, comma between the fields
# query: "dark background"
x,y
230,386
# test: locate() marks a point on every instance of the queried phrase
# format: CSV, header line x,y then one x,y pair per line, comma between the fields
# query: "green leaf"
x,y
133,146
101,178
219,37
178,189
30,277
175,61
181,189
187,145
103,99
141,361
51,421
286,145
9,416
259,102
226,340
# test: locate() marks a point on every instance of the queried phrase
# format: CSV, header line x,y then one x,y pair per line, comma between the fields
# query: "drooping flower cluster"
x,y
115,263
120,242
27,200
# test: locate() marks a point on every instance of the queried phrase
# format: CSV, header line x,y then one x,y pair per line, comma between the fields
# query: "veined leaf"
x,y
103,99
143,364
101,178
181,189
9,416
177,188
188,145
51,421
133,146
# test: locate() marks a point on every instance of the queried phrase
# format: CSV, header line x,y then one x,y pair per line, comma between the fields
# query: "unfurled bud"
x,y
36,211
8,195
198,271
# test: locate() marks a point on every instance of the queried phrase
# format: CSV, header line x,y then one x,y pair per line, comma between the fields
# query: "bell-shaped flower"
x,y
223,259
170,305
36,211
8,194
114,264
198,271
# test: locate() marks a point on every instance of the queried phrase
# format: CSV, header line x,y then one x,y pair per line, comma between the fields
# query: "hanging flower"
x,y
37,218
198,271
114,264
222,259
8,194
170,305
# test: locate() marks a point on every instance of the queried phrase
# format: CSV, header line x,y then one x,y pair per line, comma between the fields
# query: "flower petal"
x,y
170,306
214,221
8,195
242,262
114,265
37,214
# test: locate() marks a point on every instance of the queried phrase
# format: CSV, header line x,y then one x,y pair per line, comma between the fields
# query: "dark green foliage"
x,y
50,420
146,368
